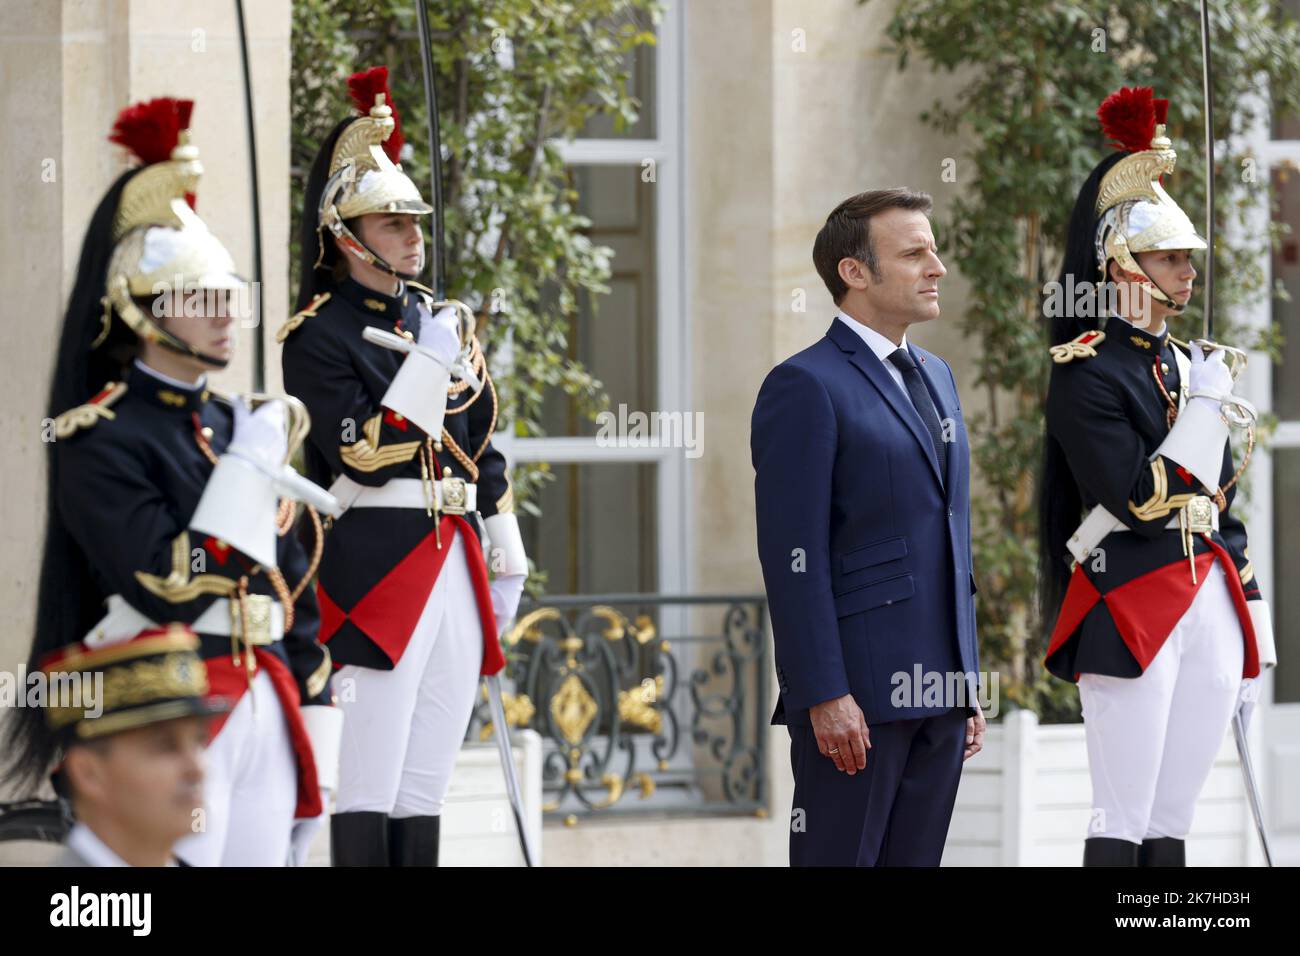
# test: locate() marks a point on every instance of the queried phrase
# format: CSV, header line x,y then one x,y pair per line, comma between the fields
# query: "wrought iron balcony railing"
x,y
664,697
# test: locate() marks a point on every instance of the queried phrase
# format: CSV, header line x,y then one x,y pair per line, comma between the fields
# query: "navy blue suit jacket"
x,y
865,547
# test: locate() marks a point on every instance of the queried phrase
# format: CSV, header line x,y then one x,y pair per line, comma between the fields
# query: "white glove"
x,y
506,590
441,334
260,436
304,832
260,439
1209,375
1247,697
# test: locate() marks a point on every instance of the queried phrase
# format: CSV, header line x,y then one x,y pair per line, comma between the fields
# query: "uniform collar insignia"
x,y
1136,339
166,394
369,301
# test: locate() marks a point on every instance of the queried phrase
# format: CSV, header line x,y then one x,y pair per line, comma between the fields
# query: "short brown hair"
x,y
847,233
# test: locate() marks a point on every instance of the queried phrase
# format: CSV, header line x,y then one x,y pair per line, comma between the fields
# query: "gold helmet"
x,y
1134,213
364,173
159,242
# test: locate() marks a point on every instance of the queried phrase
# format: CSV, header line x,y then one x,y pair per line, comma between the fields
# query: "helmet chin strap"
x,y
1163,297
353,244
146,329
173,344
375,259
1153,287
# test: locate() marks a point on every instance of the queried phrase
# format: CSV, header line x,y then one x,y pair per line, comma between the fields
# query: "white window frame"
x,y
672,377
1257,384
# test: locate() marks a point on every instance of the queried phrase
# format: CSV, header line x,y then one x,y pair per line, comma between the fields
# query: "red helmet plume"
x,y
364,87
151,129
1129,117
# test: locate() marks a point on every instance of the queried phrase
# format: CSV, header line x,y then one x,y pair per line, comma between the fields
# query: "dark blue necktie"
x,y
902,360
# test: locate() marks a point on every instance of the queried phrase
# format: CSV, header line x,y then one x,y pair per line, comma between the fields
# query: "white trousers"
x,y
1152,739
250,787
403,728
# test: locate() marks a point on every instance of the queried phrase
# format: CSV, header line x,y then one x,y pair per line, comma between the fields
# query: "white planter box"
x,y
1026,799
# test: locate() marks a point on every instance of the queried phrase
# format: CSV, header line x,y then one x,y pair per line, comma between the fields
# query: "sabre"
x,y
259,346
1244,413
438,261
501,730
1252,788
1206,342
1208,327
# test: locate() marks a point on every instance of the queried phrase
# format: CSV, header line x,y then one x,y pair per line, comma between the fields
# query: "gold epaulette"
x,y
298,318
1083,346
86,416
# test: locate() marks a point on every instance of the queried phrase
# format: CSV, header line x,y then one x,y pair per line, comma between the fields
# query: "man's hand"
x,y
974,733
841,733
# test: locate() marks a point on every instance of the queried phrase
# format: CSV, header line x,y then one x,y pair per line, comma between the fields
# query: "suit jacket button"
x,y
950,512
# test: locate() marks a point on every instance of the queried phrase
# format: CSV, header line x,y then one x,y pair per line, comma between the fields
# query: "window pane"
x,y
616,339
640,65
597,530
1287,125
1286,602
1286,315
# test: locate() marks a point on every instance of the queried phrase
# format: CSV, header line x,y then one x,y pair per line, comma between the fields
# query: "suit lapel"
x,y
866,362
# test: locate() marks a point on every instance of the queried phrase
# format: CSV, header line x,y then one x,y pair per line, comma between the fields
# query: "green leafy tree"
x,y
1032,77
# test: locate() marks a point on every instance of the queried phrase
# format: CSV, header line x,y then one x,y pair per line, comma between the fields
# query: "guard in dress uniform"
x,y
1147,585
128,733
403,439
169,502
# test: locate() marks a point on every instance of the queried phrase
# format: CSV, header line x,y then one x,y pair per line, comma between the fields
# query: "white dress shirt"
x,y
83,841
1157,332
92,849
168,380
881,346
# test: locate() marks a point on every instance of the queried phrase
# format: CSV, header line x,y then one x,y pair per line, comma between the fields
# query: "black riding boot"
x,y
1108,851
359,839
1163,851
413,841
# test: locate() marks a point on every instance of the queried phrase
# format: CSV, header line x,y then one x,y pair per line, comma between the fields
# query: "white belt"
x,y
1101,522
123,622
451,495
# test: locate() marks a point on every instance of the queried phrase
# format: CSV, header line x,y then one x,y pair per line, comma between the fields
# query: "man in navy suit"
x,y
863,505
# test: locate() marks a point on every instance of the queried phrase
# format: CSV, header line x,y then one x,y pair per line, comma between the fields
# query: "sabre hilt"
x,y
286,479
461,367
1236,411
